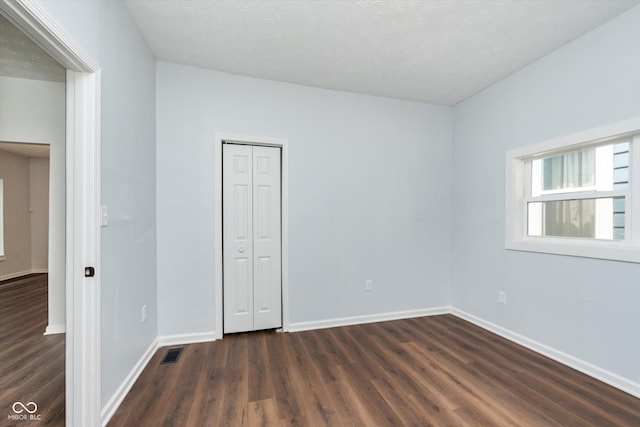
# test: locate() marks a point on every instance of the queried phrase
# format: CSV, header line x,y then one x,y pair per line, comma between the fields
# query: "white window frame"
x,y
517,196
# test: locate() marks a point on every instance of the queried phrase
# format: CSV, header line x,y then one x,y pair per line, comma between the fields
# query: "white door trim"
x,y
82,370
217,195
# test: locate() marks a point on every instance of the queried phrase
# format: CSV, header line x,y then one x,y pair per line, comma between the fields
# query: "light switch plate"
x,y
104,216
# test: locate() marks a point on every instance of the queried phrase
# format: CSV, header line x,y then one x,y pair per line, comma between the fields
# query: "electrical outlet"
x,y
502,297
368,285
144,313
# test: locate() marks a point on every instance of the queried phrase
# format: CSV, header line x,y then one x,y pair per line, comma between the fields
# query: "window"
x,y
575,195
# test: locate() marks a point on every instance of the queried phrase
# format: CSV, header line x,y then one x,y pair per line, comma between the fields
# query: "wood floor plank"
x,y
208,393
309,394
263,413
436,395
259,375
541,374
182,389
490,373
471,416
439,371
372,403
499,379
488,393
404,405
323,380
31,364
284,392
423,374
235,408
563,377
334,340
482,398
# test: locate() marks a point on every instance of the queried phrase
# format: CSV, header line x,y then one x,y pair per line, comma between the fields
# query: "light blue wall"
x,y
369,195
372,182
584,307
107,33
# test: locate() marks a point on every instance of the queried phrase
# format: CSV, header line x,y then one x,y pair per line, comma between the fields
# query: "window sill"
x,y
608,250
2,257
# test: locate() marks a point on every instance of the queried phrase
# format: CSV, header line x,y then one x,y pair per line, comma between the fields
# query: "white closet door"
x,y
251,238
267,282
237,201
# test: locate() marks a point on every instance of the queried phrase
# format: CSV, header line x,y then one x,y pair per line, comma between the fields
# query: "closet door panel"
x,y
237,176
267,238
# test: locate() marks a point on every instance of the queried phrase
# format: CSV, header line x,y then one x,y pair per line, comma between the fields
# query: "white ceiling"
x,y
437,51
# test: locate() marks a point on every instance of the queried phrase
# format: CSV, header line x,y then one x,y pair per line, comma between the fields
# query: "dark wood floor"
x,y
427,371
31,364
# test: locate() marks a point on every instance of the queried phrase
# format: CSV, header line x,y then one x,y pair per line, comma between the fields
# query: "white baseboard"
x,y
58,328
23,273
603,375
370,318
167,340
116,399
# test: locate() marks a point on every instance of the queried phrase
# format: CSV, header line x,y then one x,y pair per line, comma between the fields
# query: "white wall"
x,y
368,195
33,111
128,245
584,307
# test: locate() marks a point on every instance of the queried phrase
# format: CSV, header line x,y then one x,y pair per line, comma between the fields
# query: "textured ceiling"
x,y
20,57
434,51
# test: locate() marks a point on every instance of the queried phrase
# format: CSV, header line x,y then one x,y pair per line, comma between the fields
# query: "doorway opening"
x,y
32,343
32,267
82,186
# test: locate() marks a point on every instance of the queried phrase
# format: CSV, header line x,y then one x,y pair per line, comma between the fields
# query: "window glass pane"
x,y
589,218
600,168
572,170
